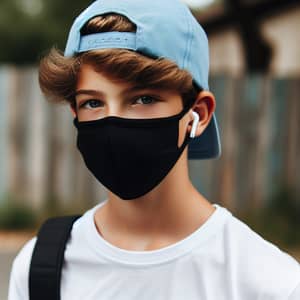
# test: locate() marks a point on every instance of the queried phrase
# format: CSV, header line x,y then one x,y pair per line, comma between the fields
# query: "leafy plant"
x,y
279,220
16,216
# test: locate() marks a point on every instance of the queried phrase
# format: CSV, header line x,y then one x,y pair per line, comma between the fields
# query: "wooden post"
x,y
4,167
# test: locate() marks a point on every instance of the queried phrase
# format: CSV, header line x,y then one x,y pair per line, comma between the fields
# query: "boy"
x,y
135,73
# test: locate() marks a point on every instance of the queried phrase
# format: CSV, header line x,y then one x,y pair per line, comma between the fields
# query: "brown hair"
x,y
58,74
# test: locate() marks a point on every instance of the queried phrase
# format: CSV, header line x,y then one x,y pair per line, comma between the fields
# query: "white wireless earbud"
x,y
195,123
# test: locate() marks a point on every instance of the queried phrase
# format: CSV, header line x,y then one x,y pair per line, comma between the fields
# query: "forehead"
x,y
118,65
88,76
130,68
92,80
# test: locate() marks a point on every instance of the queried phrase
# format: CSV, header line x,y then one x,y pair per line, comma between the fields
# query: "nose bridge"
x,y
114,107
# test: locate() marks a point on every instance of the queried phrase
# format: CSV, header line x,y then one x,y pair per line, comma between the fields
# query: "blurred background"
x,y
255,76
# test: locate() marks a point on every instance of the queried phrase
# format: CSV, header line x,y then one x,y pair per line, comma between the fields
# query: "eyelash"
x,y
153,98
82,105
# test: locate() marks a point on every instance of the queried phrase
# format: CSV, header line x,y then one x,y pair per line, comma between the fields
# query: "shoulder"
x,y
21,263
18,285
295,295
19,276
261,265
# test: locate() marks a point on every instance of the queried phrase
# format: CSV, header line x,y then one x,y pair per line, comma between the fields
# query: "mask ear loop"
x,y
195,123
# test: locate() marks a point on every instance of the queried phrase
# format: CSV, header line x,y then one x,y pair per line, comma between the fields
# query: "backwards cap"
x,y
165,28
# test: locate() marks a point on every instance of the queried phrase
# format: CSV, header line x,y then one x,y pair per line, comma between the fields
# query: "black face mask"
x,y
130,156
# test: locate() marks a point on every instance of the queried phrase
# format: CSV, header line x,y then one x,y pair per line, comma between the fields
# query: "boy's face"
x,y
98,96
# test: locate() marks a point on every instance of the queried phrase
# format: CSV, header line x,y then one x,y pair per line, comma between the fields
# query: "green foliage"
x,y
53,207
16,216
27,32
284,215
279,220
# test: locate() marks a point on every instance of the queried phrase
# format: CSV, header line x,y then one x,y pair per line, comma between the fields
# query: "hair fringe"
x,y
58,74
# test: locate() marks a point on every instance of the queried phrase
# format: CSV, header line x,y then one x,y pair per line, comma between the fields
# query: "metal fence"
x,y
258,117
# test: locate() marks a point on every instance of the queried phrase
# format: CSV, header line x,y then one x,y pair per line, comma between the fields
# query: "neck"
x,y
173,208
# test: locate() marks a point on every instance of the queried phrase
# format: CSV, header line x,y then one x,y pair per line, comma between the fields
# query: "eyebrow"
x,y
101,94
88,92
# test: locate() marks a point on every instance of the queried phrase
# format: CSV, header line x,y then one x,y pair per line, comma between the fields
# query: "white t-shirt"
x,y
222,259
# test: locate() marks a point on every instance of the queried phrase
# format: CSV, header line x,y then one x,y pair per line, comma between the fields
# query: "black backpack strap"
x,y
47,258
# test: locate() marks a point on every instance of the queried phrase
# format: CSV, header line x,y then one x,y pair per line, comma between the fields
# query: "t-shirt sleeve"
x,y
295,295
263,268
18,282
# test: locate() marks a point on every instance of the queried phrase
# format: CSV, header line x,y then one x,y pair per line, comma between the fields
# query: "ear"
x,y
73,109
204,106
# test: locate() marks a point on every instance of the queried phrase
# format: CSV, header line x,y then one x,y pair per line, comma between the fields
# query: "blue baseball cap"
x,y
165,28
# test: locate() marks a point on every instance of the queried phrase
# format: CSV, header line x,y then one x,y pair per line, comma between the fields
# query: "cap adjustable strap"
x,y
114,39
47,258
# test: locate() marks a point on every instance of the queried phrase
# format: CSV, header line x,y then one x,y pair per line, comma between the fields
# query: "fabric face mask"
x,y
130,156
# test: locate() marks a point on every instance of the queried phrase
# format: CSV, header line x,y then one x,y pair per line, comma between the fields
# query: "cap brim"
x,y
208,144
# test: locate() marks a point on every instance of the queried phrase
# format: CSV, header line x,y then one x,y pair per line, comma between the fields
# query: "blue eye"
x,y
146,99
91,104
